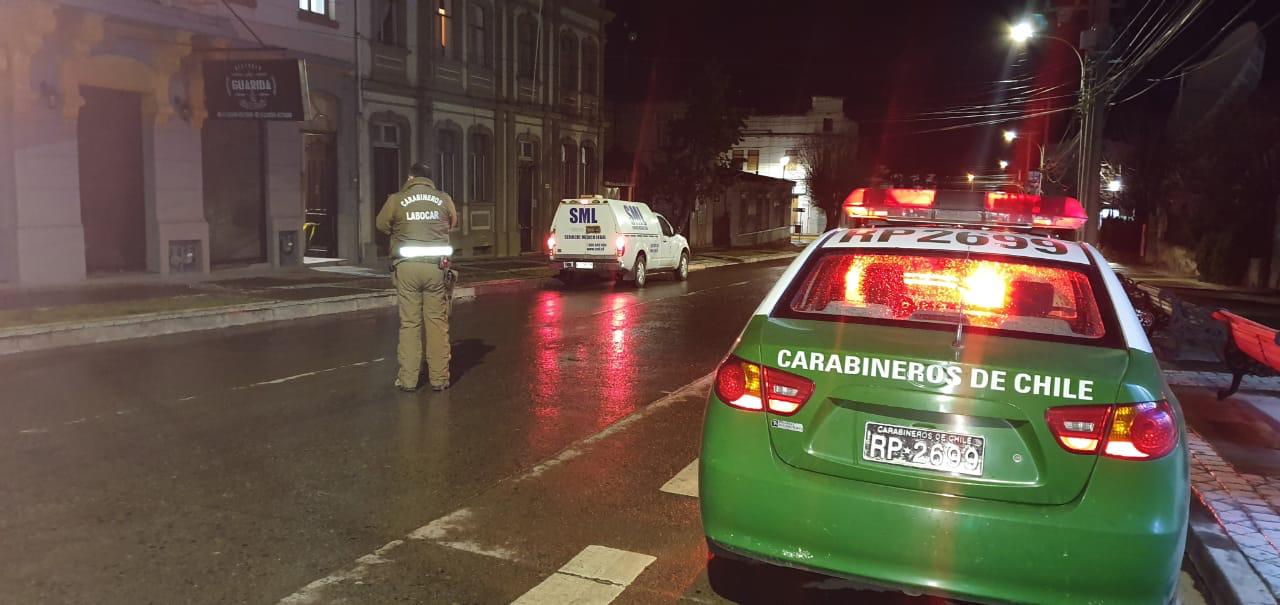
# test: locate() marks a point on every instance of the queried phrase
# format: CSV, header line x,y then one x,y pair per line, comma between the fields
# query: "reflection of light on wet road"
x,y
547,314
620,313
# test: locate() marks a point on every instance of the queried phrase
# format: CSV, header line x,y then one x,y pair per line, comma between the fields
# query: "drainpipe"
x,y
358,123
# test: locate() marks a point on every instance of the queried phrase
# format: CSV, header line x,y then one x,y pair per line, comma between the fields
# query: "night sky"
x,y
891,60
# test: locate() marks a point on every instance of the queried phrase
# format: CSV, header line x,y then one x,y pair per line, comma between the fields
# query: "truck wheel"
x,y
639,272
682,269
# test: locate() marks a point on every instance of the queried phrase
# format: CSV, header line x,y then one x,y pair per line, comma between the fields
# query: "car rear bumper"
x,y
599,264
1120,542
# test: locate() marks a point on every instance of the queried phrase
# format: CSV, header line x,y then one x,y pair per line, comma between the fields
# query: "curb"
x,y
1227,574
53,336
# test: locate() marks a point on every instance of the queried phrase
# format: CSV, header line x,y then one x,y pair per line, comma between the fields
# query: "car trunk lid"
x,y
879,389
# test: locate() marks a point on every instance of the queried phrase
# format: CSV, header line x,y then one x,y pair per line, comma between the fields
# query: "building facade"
x,y
501,97
772,145
110,162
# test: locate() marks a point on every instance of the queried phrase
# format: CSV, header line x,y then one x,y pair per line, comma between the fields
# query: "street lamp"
x,y
1115,186
1010,135
1022,31
1003,164
969,176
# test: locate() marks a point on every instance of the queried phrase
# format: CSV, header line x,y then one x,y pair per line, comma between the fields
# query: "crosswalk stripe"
x,y
596,576
685,483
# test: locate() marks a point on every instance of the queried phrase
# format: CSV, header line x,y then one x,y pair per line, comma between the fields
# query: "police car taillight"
x,y
1138,431
551,244
620,243
748,386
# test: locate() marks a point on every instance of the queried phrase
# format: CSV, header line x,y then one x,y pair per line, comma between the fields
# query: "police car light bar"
x,y
965,208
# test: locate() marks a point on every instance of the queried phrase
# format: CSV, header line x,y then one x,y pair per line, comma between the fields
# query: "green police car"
x,y
964,412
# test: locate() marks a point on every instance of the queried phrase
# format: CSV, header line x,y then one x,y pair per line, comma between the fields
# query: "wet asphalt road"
x,y
277,464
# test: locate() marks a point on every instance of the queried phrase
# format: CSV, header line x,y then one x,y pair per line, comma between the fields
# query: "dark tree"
x,y
1232,171
688,170
833,171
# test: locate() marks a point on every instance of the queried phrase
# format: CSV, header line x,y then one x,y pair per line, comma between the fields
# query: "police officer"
x,y
418,218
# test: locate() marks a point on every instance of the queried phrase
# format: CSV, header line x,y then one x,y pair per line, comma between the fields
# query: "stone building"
x,y
111,162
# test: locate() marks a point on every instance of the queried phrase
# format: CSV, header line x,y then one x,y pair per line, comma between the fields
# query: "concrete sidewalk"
x,y
118,309
1235,477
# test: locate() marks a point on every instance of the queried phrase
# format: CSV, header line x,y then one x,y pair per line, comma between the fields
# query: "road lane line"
x,y
685,483
578,448
595,577
307,374
438,530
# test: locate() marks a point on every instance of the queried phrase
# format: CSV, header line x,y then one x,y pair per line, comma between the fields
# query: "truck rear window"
x,y
995,294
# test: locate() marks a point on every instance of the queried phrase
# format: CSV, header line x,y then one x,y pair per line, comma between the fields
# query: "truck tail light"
x,y
1139,431
748,386
551,244
620,243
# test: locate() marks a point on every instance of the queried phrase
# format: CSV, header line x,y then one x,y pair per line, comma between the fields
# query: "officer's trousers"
x,y
424,312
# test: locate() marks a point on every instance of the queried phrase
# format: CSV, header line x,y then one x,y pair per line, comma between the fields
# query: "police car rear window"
x,y
999,295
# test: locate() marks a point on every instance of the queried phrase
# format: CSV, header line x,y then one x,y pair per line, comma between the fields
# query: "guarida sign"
x,y
256,89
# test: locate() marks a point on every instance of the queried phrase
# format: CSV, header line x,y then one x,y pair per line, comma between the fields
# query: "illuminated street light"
x,y
969,176
1115,186
1022,31
1003,164
785,160
1009,135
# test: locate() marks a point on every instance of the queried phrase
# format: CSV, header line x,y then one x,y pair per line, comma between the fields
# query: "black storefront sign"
x,y
256,89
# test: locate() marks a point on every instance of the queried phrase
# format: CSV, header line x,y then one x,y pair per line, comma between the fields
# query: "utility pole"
x,y
1093,42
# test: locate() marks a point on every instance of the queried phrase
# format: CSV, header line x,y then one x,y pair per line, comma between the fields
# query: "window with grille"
x,y
388,17
481,161
479,50
526,46
568,62
590,67
569,163
444,28
318,7
447,161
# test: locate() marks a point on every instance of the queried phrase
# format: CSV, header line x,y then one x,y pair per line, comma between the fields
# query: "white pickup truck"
x,y
616,238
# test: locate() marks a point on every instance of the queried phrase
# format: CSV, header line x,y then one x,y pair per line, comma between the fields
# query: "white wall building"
x,y
771,145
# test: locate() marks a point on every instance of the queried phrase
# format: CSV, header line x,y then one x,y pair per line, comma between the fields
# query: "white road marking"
x,y
577,449
33,431
438,531
307,374
595,577
685,483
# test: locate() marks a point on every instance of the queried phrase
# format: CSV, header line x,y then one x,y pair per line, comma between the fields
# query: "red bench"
x,y
1251,348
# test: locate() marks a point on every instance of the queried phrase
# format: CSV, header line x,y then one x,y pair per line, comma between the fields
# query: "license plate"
x,y
960,216
924,448
585,265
